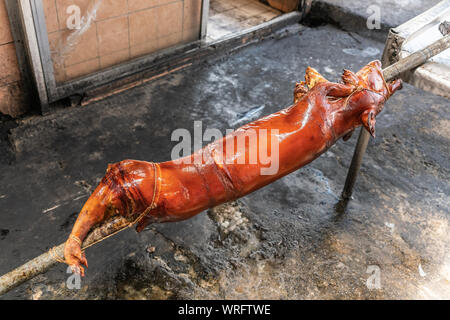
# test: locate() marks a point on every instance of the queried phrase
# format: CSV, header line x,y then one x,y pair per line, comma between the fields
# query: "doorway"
x,y
230,16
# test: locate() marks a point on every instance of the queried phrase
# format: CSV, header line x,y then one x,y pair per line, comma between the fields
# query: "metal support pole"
x,y
360,150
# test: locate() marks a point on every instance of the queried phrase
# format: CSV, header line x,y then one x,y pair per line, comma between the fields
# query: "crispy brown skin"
x,y
322,113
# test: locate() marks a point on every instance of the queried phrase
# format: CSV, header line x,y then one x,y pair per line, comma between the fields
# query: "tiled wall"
x,y
121,30
12,99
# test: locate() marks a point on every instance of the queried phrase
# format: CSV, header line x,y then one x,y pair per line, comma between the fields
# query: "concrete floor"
x,y
393,12
356,16
295,242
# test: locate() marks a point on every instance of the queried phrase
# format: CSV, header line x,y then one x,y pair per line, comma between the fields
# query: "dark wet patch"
x,y
3,233
68,224
6,149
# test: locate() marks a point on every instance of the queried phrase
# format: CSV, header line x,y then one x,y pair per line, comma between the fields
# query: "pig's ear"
x,y
376,63
368,121
350,78
313,77
300,91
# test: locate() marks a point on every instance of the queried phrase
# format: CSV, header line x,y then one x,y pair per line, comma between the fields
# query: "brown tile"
x,y
112,35
59,72
161,2
240,3
238,14
245,14
269,15
51,16
5,33
75,49
13,100
191,34
63,5
220,6
226,21
273,10
82,69
253,21
9,69
143,27
144,48
114,58
170,40
135,5
164,2
54,40
192,14
253,9
111,9
169,19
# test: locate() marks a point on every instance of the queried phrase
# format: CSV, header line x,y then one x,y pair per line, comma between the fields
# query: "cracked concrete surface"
x,y
289,240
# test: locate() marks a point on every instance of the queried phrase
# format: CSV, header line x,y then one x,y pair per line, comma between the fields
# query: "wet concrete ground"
x,y
371,18
289,240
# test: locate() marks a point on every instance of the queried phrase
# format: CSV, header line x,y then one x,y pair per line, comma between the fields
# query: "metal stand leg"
x,y
353,171
305,8
416,59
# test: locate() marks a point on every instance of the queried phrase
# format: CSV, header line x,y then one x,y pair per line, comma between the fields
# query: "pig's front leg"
x,y
126,190
95,210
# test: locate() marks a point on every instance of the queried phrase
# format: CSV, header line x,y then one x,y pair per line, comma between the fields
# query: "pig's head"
x,y
370,93
360,97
